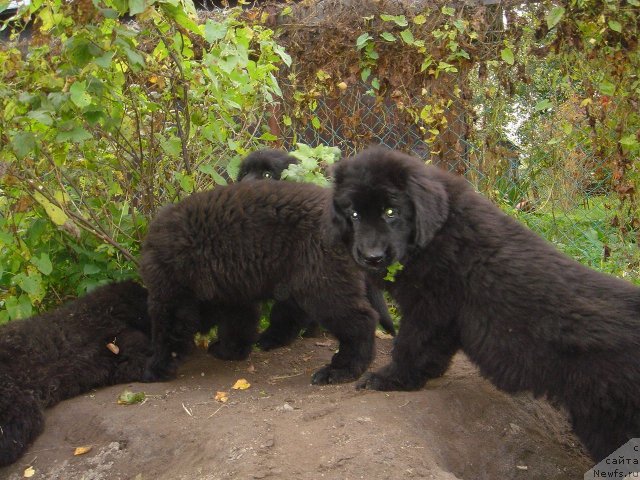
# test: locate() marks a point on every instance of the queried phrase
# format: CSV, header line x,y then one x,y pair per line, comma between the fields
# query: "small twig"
x,y
187,410
219,408
282,377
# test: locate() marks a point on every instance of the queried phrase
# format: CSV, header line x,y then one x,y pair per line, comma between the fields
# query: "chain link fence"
x,y
558,188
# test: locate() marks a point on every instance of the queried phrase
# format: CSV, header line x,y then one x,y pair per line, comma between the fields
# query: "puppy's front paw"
x,y
387,380
372,381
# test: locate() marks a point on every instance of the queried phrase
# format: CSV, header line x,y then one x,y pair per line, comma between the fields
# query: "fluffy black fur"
x,y
477,280
287,318
59,354
228,249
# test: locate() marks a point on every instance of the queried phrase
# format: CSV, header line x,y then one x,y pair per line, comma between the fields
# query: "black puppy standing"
x,y
475,279
213,257
287,318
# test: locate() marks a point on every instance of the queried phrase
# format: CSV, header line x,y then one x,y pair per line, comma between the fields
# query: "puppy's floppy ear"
x,y
336,225
431,204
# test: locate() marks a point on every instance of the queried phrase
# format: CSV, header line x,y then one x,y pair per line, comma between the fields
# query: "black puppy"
x,y
233,247
287,318
265,164
473,278
63,353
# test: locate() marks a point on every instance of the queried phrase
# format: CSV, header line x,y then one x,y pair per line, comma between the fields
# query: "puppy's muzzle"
x,y
373,258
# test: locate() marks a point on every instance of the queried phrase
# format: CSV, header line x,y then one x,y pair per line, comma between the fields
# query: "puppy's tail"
x,y
21,421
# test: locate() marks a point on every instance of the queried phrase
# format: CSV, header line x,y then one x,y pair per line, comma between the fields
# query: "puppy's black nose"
x,y
373,258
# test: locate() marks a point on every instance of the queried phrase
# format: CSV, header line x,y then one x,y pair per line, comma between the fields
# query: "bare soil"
x,y
458,427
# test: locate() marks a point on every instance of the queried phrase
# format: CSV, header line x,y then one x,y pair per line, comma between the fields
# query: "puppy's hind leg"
x,y
237,331
354,326
174,322
285,322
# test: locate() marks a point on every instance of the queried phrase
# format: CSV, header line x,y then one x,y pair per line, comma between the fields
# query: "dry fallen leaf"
x,y
29,472
241,384
82,450
221,397
383,335
114,348
129,398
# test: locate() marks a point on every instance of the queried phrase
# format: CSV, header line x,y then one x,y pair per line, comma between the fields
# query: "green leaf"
x,y
362,40
407,36
543,105
40,116
79,94
23,144
186,182
635,3
77,134
375,83
389,37
172,146
104,60
419,19
31,284
629,141
607,88
214,31
507,55
18,307
91,269
315,121
392,271
134,57
554,16
286,58
43,263
615,26
399,20
449,11
129,398
208,169
136,6
364,75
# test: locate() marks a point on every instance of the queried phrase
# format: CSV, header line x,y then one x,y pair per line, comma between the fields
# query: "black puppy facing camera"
x,y
475,279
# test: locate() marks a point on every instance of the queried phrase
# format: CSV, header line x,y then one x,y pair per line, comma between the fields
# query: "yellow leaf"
x,y
241,384
56,214
221,397
29,472
82,450
342,86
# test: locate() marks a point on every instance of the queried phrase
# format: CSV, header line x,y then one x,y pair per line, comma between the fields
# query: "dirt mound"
x,y
459,427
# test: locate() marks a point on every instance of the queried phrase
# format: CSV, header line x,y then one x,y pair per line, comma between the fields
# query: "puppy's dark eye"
x,y
390,212
267,174
354,215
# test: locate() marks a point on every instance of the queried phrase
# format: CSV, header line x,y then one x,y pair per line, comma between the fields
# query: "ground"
x,y
281,427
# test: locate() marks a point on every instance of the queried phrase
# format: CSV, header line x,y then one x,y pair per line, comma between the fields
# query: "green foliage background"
x,y
104,121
